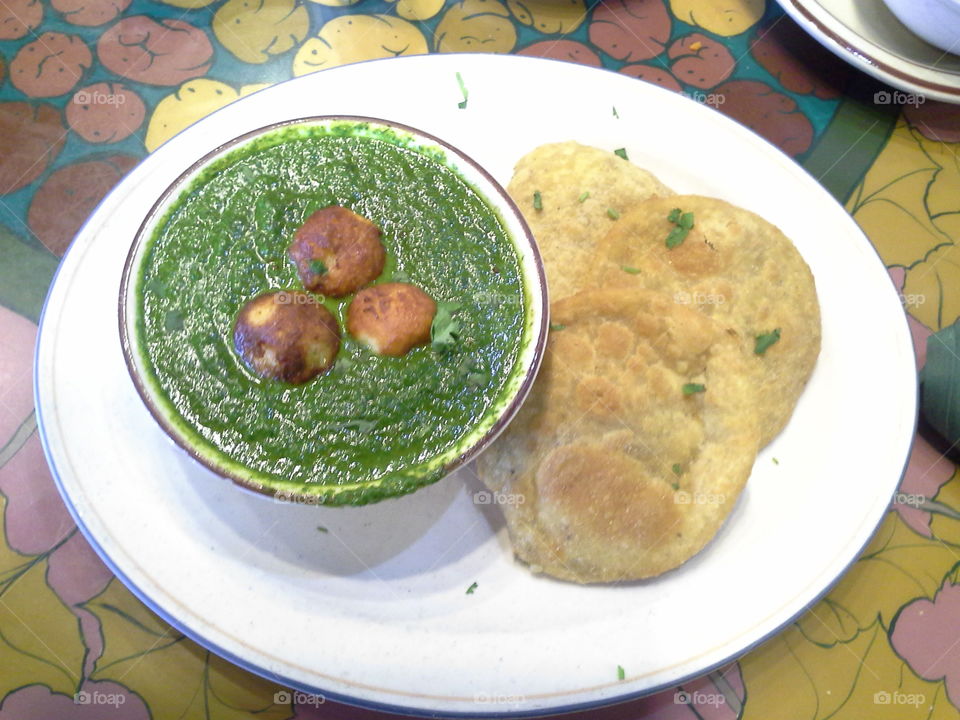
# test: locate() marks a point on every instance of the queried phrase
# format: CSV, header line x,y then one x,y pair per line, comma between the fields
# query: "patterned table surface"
x,y
89,87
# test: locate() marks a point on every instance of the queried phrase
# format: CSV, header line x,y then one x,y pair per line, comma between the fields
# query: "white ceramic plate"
x,y
869,36
375,610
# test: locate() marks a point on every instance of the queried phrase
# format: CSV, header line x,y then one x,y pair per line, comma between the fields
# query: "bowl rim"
x,y
531,268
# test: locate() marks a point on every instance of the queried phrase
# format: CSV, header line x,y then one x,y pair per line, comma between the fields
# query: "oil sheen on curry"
x,y
331,307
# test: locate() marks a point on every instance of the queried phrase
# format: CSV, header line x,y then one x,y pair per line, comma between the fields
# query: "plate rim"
x,y
862,56
491,710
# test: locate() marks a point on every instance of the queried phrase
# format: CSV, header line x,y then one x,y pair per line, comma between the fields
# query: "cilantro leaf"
x,y
318,267
463,90
445,329
173,321
764,341
361,426
557,326
676,236
537,200
477,379
621,673
583,196
613,214
630,270
674,216
677,470
686,221
691,388
470,589
621,152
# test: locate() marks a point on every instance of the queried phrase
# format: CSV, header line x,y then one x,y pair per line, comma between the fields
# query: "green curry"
x,y
373,426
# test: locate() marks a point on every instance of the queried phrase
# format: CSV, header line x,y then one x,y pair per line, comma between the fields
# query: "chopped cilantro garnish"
x,y
157,287
691,388
615,113
677,470
684,224
173,321
621,673
318,267
621,152
537,200
471,589
583,196
676,236
463,89
674,484
613,214
631,270
361,426
775,461
765,341
322,529
477,379
445,328
557,326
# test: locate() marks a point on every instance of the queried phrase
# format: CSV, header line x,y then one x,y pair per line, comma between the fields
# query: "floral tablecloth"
x,y
89,87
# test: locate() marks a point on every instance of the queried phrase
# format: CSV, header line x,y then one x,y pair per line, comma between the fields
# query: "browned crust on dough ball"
x,y
287,336
347,244
391,318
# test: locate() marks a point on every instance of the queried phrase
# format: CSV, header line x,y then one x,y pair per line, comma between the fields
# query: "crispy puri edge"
x,y
505,472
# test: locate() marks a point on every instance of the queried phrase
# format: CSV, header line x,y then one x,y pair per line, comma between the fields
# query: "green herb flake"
x,y
557,326
471,589
322,529
583,196
445,329
684,224
630,270
613,214
318,267
621,673
463,90
775,461
676,236
615,113
477,379
764,341
677,470
537,200
674,484
173,321
156,287
361,426
621,152
692,388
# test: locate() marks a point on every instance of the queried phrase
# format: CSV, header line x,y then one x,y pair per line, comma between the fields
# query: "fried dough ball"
x,y
391,318
287,336
337,252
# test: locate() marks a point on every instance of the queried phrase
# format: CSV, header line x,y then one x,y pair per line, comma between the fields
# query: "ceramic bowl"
x,y
936,21
275,438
